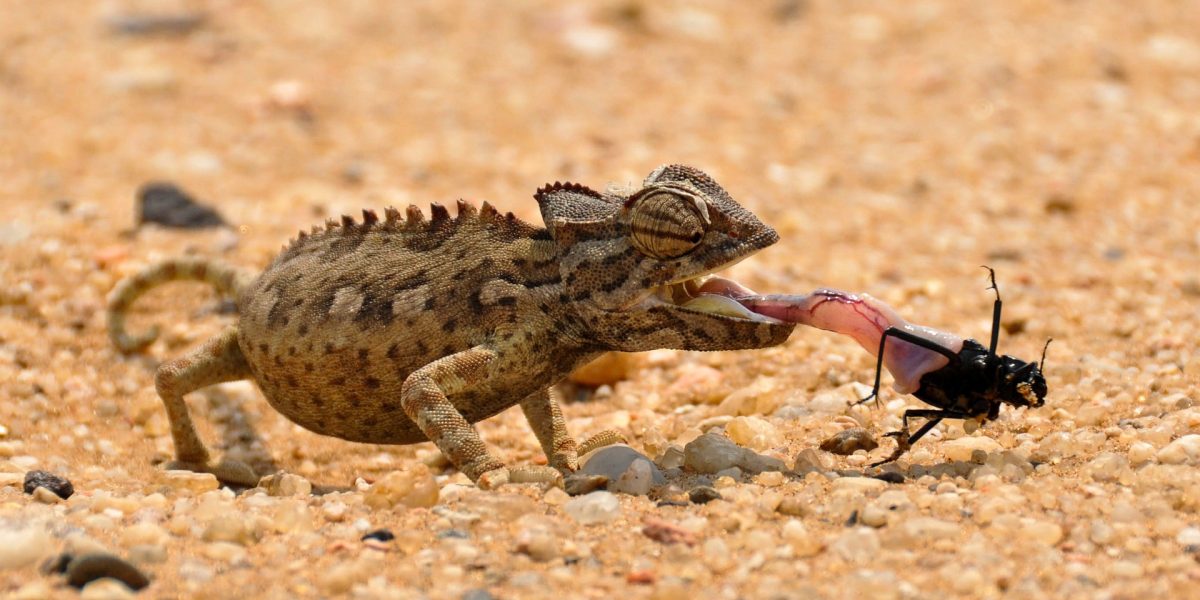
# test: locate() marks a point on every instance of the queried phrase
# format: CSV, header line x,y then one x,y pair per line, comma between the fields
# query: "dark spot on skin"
x,y
278,361
644,283
284,321
369,424
447,350
292,351
458,276
354,400
291,381
303,331
507,301
390,406
298,302
422,349
429,303
449,326
337,381
363,353
262,348
582,295
371,383
328,348
393,352
308,367
563,298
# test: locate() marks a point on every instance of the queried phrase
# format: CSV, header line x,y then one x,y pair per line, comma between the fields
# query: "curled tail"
x,y
227,280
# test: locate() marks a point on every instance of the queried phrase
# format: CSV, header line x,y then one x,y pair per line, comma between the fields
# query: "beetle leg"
x,y
915,340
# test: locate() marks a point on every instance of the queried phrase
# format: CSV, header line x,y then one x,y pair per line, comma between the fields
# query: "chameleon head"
x,y
638,267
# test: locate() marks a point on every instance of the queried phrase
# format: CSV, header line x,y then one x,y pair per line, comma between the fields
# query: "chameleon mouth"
x,y
710,295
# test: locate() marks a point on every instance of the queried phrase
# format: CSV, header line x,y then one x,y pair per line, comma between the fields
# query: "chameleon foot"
x,y
607,437
527,474
233,472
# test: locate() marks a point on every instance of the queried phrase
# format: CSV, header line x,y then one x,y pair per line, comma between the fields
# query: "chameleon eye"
x,y
667,225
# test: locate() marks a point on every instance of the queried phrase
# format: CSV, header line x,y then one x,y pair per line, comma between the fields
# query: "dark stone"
x,y
578,483
166,204
454,534
155,23
703,494
58,485
382,535
478,594
890,477
87,568
850,441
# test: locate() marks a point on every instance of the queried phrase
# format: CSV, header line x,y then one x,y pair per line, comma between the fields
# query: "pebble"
x,y
285,484
46,496
703,494
803,542
849,441
105,588
858,485
963,448
226,552
858,545
637,480
86,568
190,481
166,204
1188,536
144,534
292,516
672,458
1185,450
383,535
752,432
22,545
1044,532
924,530
146,23
413,487
593,508
45,479
1107,466
615,462
1140,453
536,540
809,460
873,515
578,484
713,452
229,528
793,506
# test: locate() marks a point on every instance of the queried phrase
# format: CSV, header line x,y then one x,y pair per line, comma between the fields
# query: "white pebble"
x,y
596,507
858,545
23,546
963,447
1185,450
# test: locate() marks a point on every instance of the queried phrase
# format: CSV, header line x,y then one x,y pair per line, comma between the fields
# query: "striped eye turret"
x,y
667,223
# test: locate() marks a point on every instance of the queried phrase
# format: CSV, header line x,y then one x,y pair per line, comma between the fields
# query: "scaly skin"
x,y
404,330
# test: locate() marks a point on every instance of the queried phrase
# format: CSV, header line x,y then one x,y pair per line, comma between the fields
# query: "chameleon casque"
x,y
404,330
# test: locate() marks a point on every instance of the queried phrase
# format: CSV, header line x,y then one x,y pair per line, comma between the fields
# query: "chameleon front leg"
x,y
545,418
424,398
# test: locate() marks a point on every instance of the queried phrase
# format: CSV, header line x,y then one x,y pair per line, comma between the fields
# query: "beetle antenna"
x,y
995,313
1044,348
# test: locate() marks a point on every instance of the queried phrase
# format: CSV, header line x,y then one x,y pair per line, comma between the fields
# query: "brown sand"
x,y
896,146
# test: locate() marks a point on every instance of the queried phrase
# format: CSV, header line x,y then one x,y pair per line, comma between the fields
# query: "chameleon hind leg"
x,y
545,417
217,361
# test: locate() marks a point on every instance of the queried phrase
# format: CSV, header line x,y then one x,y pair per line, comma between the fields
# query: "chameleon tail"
x,y
227,280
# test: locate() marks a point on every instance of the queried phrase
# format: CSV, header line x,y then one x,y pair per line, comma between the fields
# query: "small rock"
x,y
793,506
636,480
190,481
858,485
536,539
803,543
1107,466
229,528
578,484
872,515
713,452
1185,450
106,588
890,476
858,545
143,534
964,447
23,545
285,484
921,530
703,494
752,432
292,516
478,594
672,458
413,487
148,23
615,462
1140,453
596,507
226,552
383,535
165,204
667,533
849,441
809,460
86,568
46,496
1044,532
45,479
1188,536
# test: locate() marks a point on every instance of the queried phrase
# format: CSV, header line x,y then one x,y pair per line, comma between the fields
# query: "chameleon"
x,y
404,329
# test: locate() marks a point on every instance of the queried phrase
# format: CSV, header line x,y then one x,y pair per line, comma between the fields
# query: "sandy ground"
x,y
895,146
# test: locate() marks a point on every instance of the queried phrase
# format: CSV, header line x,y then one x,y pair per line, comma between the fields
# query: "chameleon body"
x,y
406,329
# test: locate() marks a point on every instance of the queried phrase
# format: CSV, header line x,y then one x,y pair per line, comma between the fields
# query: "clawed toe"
x,y
228,471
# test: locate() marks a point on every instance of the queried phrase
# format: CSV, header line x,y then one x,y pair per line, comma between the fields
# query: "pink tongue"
x,y
724,287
